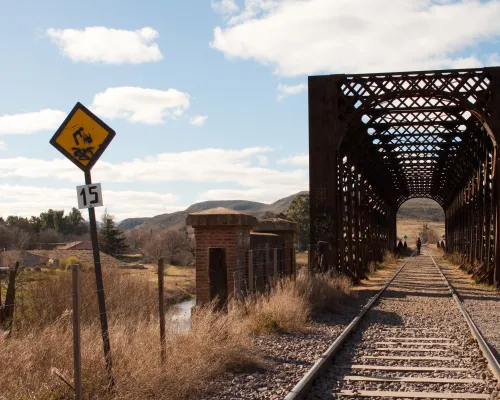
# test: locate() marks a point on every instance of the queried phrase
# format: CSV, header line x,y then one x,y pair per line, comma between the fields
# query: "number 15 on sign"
x,y
89,196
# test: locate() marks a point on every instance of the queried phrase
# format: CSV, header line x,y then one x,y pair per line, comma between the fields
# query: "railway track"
x,y
414,340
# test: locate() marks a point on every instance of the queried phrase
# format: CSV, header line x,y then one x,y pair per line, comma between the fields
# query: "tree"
x,y
137,237
36,224
48,238
19,222
74,223
298,212
166,244
111,240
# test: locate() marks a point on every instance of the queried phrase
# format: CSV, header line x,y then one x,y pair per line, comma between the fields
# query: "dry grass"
x,y
324,292
179,281
289,306
214,345
302,259
390,257
43,302
217,342
284,309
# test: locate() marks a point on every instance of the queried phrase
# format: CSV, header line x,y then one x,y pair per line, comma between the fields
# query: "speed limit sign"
x,y
89,196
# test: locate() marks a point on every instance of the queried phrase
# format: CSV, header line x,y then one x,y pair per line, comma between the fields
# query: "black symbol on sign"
x,y
83,154
86,137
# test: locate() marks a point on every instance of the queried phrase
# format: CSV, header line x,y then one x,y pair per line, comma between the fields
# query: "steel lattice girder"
x,y
426,134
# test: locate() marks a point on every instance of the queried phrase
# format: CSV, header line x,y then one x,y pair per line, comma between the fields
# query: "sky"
x,y
208,98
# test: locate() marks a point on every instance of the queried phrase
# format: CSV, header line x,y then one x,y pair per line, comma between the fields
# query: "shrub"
x,y
64,264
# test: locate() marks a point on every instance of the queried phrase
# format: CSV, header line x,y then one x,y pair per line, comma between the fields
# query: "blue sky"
x,y
208,99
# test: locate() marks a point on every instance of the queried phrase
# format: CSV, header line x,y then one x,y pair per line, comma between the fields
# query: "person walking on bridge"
x,y
419,244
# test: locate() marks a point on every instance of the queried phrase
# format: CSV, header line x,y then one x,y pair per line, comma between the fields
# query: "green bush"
x,y
64,264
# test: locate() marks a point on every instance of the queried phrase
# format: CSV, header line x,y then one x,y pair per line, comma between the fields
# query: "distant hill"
x,y
414,209
177,220
130,223
421,210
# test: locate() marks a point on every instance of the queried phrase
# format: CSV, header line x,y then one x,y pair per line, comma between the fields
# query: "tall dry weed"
x,y
214,345
284,309
42,303
325,291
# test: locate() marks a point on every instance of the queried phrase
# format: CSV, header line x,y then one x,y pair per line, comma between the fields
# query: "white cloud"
x,y
224,6
110,46
324,36
290,90
204,165
264,194
299,159
198,120
263,160
237,173
135,104
18,200
3,146
20,124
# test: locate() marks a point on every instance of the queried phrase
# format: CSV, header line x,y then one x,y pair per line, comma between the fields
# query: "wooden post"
x,y
250,271
7,316
77,360
161,305
275,255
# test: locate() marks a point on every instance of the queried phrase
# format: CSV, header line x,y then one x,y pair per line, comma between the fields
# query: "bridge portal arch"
x,y
377,140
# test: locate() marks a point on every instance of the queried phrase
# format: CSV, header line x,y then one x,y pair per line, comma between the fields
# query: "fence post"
x,y
7,313
161,305
250,271
275,256
77,360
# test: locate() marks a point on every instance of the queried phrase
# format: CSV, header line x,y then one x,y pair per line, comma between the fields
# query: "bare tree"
x,y
165,244
137,237
20,238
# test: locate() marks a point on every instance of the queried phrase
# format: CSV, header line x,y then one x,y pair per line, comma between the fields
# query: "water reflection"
x,y
180,315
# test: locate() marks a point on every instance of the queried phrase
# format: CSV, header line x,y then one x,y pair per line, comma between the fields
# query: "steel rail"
x,y
493,364
301,389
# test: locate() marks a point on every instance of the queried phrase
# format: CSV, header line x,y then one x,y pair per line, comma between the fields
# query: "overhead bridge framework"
x,y
377,140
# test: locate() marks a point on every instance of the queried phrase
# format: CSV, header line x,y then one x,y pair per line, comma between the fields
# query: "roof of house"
x,y
69,246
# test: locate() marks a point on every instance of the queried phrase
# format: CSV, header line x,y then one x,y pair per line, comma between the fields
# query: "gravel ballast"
x,y
416,308
289,356
481,302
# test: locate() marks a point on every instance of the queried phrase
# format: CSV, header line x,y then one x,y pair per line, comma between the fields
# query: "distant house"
x,y
80,245
26,258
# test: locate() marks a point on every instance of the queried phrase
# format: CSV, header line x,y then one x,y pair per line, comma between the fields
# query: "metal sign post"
x,y
82,138
75,269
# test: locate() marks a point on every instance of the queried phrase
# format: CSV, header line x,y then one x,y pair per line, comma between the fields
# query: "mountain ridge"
x,y
415,209
177,220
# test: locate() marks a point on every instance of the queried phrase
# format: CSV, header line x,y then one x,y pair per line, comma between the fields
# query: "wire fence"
x,y
44,296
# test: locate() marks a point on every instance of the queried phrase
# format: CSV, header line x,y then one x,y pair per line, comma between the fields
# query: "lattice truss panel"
x,y
417,131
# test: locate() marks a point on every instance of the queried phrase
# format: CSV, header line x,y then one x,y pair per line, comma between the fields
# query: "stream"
x,y
180,315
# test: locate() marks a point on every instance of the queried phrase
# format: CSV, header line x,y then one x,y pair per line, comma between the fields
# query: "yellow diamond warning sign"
x,y
82,137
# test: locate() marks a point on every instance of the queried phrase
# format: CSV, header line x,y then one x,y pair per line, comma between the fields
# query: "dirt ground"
x,y
411,228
